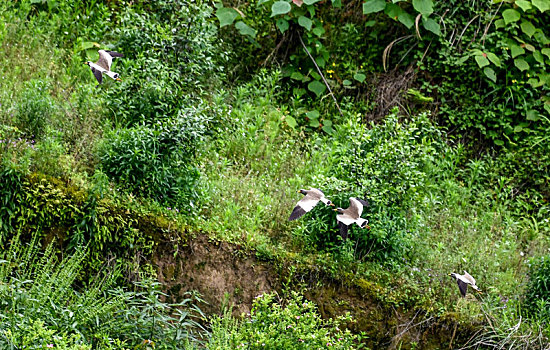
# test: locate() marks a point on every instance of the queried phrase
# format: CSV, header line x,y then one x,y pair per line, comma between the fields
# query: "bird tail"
x,y
362,222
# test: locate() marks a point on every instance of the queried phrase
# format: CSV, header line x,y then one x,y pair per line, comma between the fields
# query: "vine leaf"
x,y
493,58
510,16
282,24
244,29
490,73
310,2
425,7
431,25
316,87
521,64
523,4
226,16
542,5
280,8
482,61
371,6
305,22
360,77
528,28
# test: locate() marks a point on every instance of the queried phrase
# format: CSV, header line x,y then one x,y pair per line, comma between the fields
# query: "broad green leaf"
x,y
244,29
490,73
523,4
541,38
314,114
542,5
431,25
425,7
371,6
314,123
327,122
392,10
346,82
370,23
528,28
529,47
261,2
493,58
538,57
319,30
328,129
320,62
546,51
510,16
305,22
521,64
517,50
337,3
499,23
532,115
310,2
406,19
481,61
291,121
534,82
518,128
360,77
226,16
296,75
280,8
282,24
499,142
316,87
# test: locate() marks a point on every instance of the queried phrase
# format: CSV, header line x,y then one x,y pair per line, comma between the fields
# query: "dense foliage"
x,y
435,112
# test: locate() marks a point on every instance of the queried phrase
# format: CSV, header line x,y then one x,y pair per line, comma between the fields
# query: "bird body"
x,y
103,65
351,215
310,200
464,281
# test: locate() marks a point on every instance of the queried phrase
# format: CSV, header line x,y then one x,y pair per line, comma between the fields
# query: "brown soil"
x,y
225,274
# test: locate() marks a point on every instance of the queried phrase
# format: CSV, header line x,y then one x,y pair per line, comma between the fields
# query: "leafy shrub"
x,y
282,324
155,161
34,108
39,305
391,165
538,291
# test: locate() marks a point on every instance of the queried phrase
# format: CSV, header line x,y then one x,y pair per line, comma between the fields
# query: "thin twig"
x,y
489,25
321,74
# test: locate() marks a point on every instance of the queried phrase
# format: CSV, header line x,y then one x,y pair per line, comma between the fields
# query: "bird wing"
x,y
345,219
469,278
104,60
97,75
315,193
303,206
115,54
343,230
355,208
463,286
363,201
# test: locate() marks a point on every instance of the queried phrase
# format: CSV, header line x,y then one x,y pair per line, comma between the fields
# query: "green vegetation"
x,y
437,113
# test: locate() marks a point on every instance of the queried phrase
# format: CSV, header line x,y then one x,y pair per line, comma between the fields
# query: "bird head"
x,y
87,63
329,203
365,224
304,192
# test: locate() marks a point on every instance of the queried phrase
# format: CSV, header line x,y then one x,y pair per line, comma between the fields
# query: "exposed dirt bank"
x,y
223,273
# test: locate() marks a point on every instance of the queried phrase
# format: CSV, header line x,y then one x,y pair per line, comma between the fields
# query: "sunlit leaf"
x,y
493,58
425,7
280,8
521,64
523,4
310,2
290,121
528,28
542,5
517,50
481,61
546,51
538,57
490,73
371,6
314,114
532,115
510,16
319,30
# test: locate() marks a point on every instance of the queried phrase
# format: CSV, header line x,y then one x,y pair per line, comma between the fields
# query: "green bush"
x,y
292,323
34,108
538,290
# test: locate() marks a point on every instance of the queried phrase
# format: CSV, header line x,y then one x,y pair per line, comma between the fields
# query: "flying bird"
x,y
312,197
463,282
103,65
351,215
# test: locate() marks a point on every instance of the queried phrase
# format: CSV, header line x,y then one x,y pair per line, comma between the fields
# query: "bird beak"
x,y
331,204
118,79
298,191
335,209
367,227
